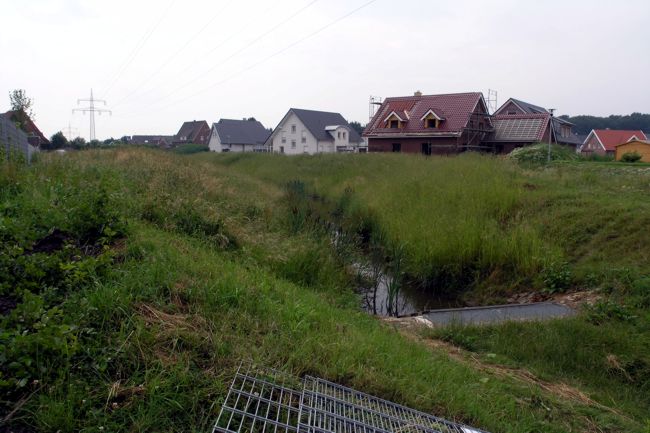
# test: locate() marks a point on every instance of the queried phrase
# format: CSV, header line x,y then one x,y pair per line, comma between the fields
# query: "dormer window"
x,y
394,121
431,120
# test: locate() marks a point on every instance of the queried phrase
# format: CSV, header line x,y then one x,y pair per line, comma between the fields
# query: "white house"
x,y
311,132
229,135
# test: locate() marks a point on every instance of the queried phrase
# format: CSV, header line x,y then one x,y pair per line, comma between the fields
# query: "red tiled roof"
x,y
455,108
28,126
612,137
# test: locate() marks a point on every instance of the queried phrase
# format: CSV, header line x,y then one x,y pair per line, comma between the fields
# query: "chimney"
x,y
417,93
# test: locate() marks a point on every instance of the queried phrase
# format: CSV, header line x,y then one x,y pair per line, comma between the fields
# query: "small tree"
x,y
58,141
78,143
631,157
358,127
21,105
21,102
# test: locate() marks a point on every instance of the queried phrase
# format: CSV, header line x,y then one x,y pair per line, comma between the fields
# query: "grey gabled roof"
x,y
530,108
316,121
189,130
233,131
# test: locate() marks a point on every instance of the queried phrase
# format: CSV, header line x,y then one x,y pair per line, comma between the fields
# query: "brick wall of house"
x,y
510,107
439,146
203,136
593,146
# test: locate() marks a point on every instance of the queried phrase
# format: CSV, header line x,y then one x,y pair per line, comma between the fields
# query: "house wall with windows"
x,y
592,145
293,138
510,108
423,145
215,142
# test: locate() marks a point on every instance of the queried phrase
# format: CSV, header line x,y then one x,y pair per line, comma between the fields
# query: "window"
x,y
284,139
512,113
293,144
303,139
397,147
293,129
394,124
281,149
344,134
338,134
432,123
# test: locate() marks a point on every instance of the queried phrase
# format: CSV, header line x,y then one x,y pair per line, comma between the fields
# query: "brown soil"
x,y
575,299
411,328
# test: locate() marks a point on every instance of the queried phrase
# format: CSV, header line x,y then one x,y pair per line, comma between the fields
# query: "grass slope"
x,y
173,269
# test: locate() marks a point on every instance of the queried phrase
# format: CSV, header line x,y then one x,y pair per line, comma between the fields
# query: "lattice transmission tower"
x,y
92,109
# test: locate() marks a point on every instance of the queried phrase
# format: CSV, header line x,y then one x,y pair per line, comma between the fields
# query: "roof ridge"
x,y
425,96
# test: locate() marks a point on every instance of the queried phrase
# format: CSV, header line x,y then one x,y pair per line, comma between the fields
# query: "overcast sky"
x,y
158,63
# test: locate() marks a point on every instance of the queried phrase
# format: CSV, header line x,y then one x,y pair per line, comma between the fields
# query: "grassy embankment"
x,y
169,270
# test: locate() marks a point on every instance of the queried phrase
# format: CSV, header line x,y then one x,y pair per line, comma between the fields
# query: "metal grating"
x,y
262,400
329,407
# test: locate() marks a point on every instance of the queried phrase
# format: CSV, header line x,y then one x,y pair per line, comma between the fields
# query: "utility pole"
x,y
550,135
70,132
92,110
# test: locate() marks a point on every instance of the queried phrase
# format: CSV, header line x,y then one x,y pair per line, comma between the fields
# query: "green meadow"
x,y
133,282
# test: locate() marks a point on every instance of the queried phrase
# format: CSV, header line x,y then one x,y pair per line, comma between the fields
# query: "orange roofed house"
x,y
604,141
430,124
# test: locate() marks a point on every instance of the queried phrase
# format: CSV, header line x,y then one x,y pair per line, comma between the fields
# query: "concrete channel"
x,y
498,314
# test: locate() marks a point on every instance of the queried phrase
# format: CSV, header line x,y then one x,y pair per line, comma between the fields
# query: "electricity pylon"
x,y
92,110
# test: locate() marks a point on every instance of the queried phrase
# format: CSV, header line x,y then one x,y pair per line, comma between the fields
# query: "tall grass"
x,y
457,219
158,334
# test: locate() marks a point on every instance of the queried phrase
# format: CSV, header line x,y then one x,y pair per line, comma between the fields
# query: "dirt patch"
x,y
578,299
411,328
573,299
169,321
121,396
55,241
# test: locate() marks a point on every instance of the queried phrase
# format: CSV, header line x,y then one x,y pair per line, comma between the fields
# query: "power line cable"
x,y
173,56
269,57
138,48
275,54
236,53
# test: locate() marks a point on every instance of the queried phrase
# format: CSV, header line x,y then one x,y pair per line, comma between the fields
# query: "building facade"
x,y
430,124
312,132
230,135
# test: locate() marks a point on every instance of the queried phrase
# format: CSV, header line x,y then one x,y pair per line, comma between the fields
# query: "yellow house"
x,y
641,147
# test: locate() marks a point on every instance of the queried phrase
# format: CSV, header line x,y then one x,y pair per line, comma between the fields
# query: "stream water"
x,y
409,300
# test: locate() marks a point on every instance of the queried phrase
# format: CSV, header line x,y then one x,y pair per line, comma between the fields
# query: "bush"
x,y
538,154
605,311
557,277
631,157
189,149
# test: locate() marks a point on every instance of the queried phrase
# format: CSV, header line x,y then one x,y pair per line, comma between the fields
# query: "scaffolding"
x,y
266,400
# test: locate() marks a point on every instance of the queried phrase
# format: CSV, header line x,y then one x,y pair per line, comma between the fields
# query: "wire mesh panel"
x,y
264,400
329,407
260,401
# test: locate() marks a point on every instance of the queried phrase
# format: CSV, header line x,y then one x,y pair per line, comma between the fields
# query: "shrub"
x,y
189,149
605,311
631,157
557,277
538,154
